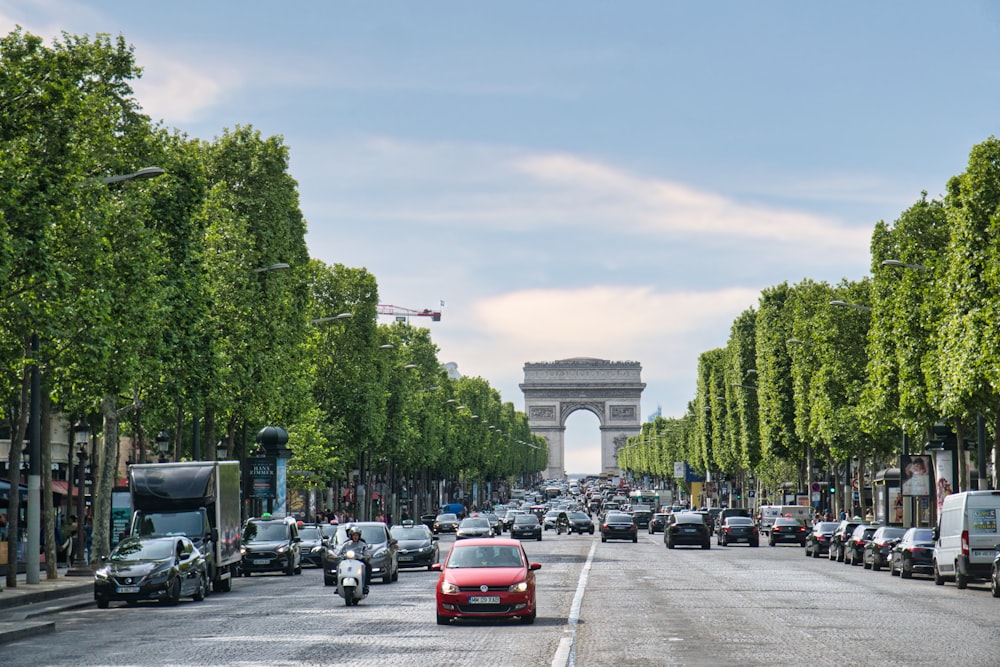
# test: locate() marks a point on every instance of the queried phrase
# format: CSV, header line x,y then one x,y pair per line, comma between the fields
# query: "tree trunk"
x,y
104,479
48,511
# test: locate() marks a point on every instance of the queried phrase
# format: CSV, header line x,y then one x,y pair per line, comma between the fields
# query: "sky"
x,y
578,179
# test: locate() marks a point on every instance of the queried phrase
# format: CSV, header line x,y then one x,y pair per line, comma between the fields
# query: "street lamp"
x,y
341,316
221,451
843,304
144,173
904,265
79,567
274,267
163,445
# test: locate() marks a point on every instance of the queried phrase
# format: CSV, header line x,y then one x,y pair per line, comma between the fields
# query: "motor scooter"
x,y
351,576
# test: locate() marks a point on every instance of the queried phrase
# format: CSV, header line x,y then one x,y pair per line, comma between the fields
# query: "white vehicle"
x,y
966,536
768,513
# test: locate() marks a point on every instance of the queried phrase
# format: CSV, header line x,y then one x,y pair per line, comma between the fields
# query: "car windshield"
x,y
420,532
374,534
474,523
310,533
529,519
134,550
166,524
446,517
579,516
479,556
265,532
739,521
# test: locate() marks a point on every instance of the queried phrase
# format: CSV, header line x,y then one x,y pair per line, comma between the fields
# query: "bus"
x,y
645,497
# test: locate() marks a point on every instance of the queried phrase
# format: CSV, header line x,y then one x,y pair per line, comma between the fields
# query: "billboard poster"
x,y
262,475
942,474
915,474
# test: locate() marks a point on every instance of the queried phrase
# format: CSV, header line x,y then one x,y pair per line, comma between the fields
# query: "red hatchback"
x,y
486,578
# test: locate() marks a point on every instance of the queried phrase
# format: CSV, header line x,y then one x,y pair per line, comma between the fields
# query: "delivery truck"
x,y
197,499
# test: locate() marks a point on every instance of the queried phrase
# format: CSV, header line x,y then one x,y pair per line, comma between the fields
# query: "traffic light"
x,y
833,488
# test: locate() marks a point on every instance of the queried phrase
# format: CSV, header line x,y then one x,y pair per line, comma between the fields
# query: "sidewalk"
x,y
23,609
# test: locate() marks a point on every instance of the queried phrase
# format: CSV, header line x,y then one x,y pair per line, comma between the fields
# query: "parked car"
x,y
686,528
854,547
580,522
787,529
271,545
840,536
658,522
445,523
618,526
526,525
738,529
818,539
164,569
416,545
913,554
486,579
381,550
878,548
474,526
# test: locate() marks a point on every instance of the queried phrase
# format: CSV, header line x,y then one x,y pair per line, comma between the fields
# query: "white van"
x,y
768,513
966,537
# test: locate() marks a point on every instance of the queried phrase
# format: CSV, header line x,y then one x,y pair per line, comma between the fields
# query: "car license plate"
x,y
404,559
689,530
484,599
127,589
982,553
261,561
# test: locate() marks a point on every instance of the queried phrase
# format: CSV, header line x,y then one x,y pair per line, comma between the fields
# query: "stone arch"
x,y
611,390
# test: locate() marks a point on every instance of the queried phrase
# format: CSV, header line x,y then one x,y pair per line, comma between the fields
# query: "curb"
x,y
10,632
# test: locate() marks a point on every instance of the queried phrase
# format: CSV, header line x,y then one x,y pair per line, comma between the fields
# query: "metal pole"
x,y
80,568
34,468
981,451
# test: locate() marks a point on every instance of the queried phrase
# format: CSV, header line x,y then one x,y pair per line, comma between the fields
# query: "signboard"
x,y
679,469
816,487
121,514
262,475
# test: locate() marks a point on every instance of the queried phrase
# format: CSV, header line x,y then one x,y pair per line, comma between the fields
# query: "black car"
x,y
818,539
658,522
508,518
787,529
642,517
913,554
311,544
840,537
428,520
878,548
495,521
580,522
271,545
618,526
152,568
737,529
416,545
687,528
526,525
380,550
445,523
854,547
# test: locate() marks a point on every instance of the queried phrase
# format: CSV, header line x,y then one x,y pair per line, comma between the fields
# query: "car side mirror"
x,y
214,535
435,538
296,539
935,533
436,567
534,566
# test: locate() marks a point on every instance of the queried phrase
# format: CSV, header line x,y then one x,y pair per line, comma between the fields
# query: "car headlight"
x,y
243,550
283,549
158,575
449,588
426,550
381,553
519,587
103,573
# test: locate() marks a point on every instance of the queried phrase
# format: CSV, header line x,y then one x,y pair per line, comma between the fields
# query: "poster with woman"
x,y
915,474
943,463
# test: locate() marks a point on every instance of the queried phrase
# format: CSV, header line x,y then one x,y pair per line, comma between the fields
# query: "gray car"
x,y
381,550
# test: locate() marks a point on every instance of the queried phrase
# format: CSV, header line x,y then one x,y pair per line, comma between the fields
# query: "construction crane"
x,y
401,313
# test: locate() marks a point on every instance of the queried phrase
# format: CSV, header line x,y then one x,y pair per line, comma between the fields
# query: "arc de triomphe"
x,y
553,390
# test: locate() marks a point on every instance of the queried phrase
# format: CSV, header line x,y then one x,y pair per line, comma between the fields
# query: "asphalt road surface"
x,y
600,604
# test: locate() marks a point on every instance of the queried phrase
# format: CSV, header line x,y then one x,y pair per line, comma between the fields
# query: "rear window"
x,y
739,521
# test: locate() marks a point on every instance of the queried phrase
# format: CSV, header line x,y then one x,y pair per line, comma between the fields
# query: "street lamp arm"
x,y
843,304
897,263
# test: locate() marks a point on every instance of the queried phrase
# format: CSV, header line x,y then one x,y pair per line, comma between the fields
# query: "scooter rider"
x,y
357,543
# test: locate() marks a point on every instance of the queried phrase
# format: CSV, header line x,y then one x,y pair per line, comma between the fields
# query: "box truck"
x,y
197,499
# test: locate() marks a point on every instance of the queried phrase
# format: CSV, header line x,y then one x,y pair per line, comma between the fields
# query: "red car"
x,y
486,578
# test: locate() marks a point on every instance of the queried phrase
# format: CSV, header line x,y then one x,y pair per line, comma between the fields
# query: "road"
x,y
600,604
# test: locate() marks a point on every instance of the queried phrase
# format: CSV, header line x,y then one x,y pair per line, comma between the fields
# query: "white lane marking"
x,y
564,654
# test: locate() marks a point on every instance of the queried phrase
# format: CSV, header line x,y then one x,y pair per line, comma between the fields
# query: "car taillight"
x,y
965,543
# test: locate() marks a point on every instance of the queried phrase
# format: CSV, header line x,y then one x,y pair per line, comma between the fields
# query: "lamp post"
x,y
79,567
163,445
